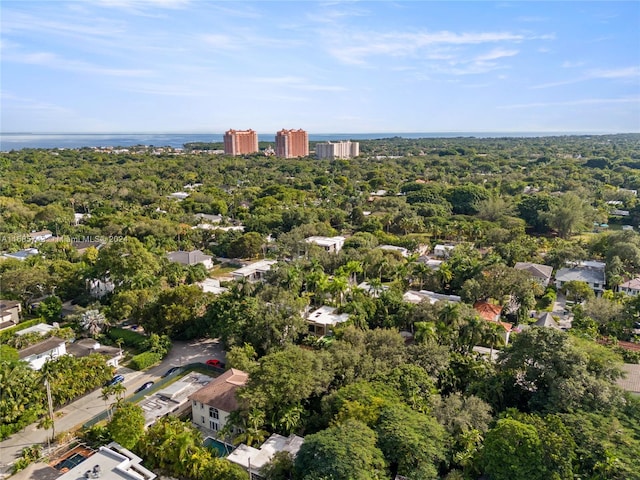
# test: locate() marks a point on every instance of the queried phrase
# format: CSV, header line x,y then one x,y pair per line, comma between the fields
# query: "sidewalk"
x,y
68,418
76,414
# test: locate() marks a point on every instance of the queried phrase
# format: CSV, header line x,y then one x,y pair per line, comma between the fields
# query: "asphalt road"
x,y
77,413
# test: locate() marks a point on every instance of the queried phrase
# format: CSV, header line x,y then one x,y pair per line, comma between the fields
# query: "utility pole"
x,y
50,403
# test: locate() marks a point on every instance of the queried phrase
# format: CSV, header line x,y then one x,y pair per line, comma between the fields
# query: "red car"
x,y
215,363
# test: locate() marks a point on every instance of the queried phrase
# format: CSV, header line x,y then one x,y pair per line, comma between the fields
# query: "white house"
x,y
321,320
22,254
330,244
212,285
212,404
417,296
40,353
110,462
254,272
630,287
193,257
443,251
40,328
590,272
40,236
87,346
254,459
179,195
394,248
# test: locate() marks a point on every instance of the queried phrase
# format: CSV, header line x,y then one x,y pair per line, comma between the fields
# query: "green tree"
x,y
513,451
50,308
569,214
413,443
127,424
345,451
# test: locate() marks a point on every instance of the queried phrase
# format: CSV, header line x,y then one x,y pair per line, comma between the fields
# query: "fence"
x,y
158,385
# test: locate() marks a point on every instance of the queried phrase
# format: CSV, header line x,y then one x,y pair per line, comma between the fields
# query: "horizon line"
x,y
563,132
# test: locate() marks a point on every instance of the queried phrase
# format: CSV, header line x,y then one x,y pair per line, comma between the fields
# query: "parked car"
x,y
115,380
214,362
170,371
144,386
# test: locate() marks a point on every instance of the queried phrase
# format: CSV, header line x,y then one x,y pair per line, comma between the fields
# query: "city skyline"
x,y
199,66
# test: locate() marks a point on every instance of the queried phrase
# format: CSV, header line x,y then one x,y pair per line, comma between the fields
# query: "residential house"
x,y
110,462
10,313
178,195
254,272
443,251
254,459
211,285
415,296
40,328
630,287
22,254
321,320
81,246
401,250
372,291
491,313
40,353
191,258
212,404
209,218
546,320
87,346
330,244
99,288
590,272
542,273
40,236
432,263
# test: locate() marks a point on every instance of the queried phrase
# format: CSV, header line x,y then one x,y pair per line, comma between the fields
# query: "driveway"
x,y
74,415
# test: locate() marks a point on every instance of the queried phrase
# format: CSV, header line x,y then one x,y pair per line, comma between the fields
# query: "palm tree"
x,y
93,322
444,274
290,418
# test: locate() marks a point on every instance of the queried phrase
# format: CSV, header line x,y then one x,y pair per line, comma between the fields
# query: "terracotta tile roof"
x,y
220,393
487,310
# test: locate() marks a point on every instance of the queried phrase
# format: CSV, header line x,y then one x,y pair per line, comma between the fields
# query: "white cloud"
x,y
356,48
618,73
136,4
495,54
585,101
53,61
628,72
572,64
298,83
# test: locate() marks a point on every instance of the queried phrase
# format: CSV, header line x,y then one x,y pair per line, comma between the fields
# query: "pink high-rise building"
x,y
240,142
292,143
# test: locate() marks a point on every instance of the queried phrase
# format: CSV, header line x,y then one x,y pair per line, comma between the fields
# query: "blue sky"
x,y
328,67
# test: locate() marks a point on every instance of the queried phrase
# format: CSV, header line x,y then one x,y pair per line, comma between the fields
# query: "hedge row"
x,y
145,360
5,335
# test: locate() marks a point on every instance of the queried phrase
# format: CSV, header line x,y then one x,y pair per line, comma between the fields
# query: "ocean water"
x,y
18,141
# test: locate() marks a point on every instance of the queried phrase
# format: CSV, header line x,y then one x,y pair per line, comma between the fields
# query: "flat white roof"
x,y
260,457
260,266
40,328
114,462
325,316
324,241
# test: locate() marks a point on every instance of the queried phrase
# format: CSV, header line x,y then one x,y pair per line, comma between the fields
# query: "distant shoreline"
x,y
22,140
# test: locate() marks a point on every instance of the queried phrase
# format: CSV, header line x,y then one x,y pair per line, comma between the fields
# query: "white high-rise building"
x,y
330,150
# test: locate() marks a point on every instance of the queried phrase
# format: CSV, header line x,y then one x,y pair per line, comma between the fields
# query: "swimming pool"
x,y
70,462
220,449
